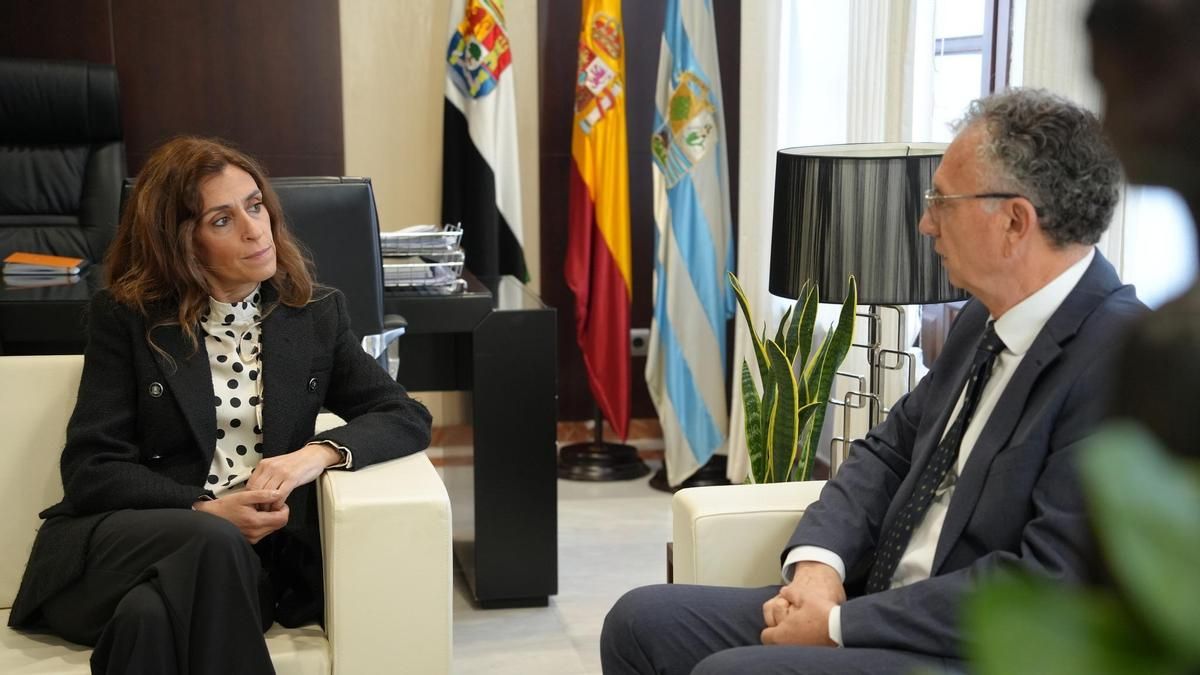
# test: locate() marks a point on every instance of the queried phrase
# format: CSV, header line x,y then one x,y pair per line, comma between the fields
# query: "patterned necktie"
x,y
895,540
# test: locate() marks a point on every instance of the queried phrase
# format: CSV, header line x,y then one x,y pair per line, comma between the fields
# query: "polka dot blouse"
x,y
233,339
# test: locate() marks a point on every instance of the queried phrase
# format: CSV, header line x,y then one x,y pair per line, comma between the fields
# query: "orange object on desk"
x,y
37,263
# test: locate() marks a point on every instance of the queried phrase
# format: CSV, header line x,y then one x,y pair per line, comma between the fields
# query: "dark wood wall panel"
x,y
728,16
643,36
57,29
558,35
265,75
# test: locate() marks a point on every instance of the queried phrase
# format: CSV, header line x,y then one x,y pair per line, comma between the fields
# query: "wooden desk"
x,y
495,341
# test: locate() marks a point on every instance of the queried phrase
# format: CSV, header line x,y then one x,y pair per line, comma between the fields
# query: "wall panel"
x,y
264,74
57,29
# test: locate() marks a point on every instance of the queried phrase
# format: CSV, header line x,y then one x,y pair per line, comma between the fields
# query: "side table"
x,y
496,341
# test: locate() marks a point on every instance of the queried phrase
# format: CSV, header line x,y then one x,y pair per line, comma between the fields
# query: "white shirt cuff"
x,y
835,625
814,554
348,457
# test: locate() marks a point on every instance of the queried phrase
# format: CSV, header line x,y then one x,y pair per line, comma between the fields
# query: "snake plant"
x,y
783,422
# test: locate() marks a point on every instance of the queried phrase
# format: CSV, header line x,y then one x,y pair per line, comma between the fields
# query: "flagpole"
x,y
599,263
600,460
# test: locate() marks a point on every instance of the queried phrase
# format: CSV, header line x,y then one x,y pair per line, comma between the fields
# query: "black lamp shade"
x,y
854,209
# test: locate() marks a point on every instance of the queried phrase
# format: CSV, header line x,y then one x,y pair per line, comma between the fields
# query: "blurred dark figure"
x,y
1146,55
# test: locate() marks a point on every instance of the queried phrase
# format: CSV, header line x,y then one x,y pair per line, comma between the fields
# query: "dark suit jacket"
x,y
1018,501
130,449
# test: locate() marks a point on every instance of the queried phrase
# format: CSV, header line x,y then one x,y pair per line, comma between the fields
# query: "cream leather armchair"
x,y
385,532
732,535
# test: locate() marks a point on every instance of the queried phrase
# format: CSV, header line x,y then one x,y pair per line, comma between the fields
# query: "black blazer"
x,y
1018,501
143,431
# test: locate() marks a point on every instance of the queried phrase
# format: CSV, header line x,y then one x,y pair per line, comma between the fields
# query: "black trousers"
x,y
676,629
167,591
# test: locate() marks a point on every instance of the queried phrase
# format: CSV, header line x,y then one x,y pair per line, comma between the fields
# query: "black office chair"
x,y
335,218
61,157
336,221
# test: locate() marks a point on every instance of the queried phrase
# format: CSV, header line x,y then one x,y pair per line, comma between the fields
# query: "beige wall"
x,y
393,73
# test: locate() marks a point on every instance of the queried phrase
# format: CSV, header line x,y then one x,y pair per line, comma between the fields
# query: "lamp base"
x,y
712,473
600,462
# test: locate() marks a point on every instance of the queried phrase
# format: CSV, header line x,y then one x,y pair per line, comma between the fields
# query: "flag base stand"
x,y
600,460
712,473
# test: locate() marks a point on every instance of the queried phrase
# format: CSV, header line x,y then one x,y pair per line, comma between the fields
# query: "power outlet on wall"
x,y
639,341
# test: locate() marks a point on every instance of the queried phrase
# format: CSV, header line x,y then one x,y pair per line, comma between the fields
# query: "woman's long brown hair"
x,y
152,260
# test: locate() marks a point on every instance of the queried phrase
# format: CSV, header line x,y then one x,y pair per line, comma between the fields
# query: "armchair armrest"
x,y
386,535
732,535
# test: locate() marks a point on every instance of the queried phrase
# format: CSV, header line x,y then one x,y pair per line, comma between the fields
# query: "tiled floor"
x,y
611,537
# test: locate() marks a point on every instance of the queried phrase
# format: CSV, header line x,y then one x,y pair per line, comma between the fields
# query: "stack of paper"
x,y
426,257
38,264
420,239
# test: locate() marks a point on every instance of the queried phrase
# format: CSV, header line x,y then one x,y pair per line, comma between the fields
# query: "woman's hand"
x,y
288,472
256,513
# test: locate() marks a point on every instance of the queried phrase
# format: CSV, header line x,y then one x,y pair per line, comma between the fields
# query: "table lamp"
x,y
853,209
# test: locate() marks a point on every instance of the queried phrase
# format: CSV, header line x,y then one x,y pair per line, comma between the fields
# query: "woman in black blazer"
x,y
189,518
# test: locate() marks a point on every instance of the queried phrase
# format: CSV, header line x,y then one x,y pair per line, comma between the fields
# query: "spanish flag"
x,y
598,267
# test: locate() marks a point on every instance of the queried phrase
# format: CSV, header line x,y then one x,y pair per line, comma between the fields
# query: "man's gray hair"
x,y
1054,153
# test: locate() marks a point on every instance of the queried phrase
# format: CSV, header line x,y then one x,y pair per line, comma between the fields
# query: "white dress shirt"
x,y
1018,328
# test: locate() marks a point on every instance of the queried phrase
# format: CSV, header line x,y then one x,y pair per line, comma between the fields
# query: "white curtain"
x,y
1053,53
822,72
1151,238
761,70
883,52
880,71
1056,54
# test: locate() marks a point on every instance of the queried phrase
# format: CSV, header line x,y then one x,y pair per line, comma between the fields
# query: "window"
x,y
947,76
962,53
954,63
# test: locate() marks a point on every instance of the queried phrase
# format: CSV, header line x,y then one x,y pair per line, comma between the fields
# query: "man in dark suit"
x,y
971,472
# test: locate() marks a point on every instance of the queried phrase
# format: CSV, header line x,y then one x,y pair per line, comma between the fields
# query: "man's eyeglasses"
x,y
934,198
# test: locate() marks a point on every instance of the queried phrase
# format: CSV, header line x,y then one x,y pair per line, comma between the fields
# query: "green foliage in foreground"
x,y
1146,505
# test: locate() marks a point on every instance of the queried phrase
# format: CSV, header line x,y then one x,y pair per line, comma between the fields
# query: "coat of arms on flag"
x,y
478,51
598,266
481,176
689,131
693,252
598,84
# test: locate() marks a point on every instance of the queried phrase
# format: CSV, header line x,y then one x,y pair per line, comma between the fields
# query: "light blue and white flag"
x,y
693,303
